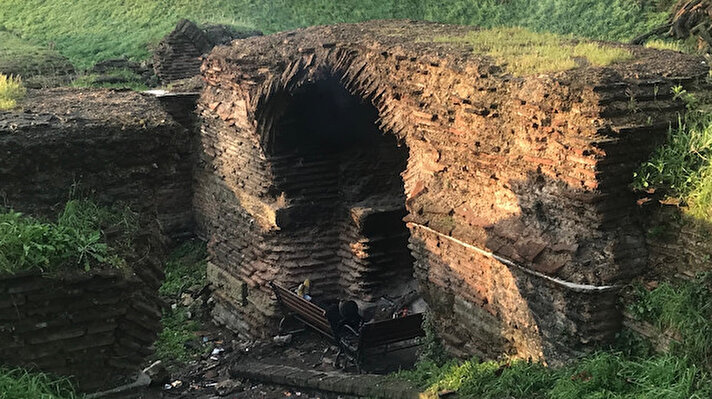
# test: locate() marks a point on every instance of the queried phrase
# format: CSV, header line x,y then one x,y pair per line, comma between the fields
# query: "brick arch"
x,y
519,211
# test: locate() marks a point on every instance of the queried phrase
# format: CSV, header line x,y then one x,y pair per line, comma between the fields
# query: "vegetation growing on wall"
x,y
88,31
525,52
11,91
77,240
20,384
682,167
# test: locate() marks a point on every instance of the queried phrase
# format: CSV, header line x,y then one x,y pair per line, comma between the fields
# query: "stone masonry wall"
x,y
516,189
110,146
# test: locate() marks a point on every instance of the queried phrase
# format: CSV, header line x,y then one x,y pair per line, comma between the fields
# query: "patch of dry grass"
x,y
524,52
11,91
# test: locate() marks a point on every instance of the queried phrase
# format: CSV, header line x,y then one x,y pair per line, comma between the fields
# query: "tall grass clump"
x,y
11,91
20,384
525,52
78,239
682,167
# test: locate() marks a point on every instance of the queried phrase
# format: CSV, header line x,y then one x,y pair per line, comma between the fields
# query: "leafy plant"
x,y
184,268
11,91
682,167
177,342
77,239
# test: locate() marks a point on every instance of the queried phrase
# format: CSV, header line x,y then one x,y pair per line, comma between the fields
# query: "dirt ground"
x,y
211,376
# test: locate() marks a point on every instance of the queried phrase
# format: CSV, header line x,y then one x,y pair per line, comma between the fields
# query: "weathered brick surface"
x,y
533,170
113,146
178,55
97,331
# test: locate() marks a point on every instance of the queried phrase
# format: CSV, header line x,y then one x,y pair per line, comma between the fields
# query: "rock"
x,y
227,387
157,372
282,339
186,299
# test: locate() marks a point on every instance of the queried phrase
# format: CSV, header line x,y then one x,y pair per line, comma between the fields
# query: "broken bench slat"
x,y
304,311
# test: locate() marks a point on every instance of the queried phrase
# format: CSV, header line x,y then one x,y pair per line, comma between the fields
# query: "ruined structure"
x,y
97,327
324,150
374,159
177,56
112,146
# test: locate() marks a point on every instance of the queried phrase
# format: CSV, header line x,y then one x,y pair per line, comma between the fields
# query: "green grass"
x,y
185,268
682,167
11,91
177,342
20,384
684,309
525,52
666,44
629,370
87,31
609,375
77,240
128,80
38,65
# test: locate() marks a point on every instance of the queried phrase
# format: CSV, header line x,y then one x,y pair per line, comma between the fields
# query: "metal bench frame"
x,y
372,335
381,334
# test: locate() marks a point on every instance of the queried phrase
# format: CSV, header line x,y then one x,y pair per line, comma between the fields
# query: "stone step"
x,y
363,385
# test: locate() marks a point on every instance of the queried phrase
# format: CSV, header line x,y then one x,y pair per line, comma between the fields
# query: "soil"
x,y
205,378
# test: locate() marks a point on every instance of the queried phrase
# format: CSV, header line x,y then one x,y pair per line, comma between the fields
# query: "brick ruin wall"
x,y
178,55
516,191
112,146
96,327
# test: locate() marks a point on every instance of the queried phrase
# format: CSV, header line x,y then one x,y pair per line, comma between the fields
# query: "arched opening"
x,y
338,179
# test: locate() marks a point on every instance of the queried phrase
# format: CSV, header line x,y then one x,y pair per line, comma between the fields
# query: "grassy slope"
x,y
87,31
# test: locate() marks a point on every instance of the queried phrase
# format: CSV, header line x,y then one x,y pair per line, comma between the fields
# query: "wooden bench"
x,y
354,346
381,334
306,312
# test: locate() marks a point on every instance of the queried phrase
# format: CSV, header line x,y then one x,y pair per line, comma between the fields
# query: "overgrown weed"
x,y
682,167
11,91
629,370
77,240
